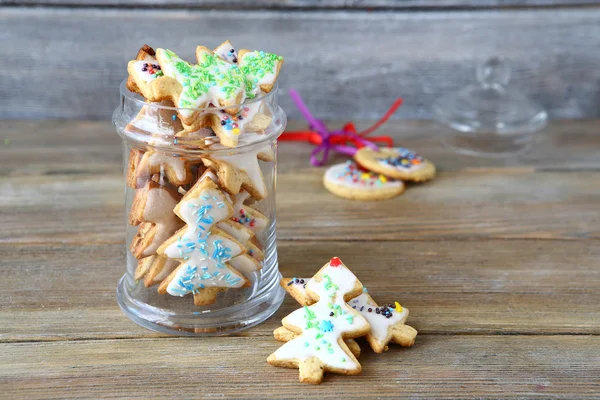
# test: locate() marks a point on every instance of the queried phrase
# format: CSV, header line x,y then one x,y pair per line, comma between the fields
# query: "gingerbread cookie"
x,y
202,249
350,181
152,210
396,163
387,323
323,326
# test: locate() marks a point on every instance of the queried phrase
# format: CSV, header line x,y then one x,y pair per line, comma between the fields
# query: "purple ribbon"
x,y
327,136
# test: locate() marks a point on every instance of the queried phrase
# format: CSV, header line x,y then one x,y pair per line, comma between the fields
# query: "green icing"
x,y
310,318
256,66
328,284
198,80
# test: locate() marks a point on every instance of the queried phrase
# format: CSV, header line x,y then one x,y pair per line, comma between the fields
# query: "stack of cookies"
x,y
198,232
336,309
377,174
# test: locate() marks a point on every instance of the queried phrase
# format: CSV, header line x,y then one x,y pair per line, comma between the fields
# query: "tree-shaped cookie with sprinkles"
x,y
387,322
323,326
202,249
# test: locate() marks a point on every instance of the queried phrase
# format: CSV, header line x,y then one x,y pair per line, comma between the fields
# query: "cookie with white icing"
x,y
226,51
143,70
176,170
349,181
282,334
323,326
396,163
202,249
239,170
387,323
152,210
260,68
155,119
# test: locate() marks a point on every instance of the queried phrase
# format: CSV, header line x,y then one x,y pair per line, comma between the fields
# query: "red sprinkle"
x,y
335,262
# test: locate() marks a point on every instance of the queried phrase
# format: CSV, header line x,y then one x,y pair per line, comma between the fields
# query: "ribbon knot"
x,y
345,141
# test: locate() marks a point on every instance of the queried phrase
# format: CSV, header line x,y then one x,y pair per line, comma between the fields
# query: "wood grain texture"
x,y
67,178
309,4
362,60
450,287
436,367
496,261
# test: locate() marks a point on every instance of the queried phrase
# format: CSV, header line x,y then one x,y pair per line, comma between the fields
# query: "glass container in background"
x,y
490,118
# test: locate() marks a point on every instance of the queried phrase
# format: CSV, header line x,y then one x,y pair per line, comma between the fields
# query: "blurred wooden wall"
x,y
349,59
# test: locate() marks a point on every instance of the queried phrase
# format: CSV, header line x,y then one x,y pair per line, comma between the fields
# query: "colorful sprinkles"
x,y
353,173
405,159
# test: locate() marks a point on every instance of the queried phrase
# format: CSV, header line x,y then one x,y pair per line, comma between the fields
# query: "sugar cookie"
x,y
260,68
351,182
397,163
202,249
152,210
176,169
323,326
283,334
387,323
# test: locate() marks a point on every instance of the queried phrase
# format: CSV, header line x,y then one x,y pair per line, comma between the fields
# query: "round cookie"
x,y
350,181
397,163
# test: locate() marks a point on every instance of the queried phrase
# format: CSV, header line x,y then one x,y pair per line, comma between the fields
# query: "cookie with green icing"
x,y
260,68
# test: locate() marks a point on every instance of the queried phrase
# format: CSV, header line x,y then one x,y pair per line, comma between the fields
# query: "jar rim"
x,y
137,98
186,145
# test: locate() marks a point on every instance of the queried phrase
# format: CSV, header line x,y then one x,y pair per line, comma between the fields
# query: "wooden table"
x,y
496,260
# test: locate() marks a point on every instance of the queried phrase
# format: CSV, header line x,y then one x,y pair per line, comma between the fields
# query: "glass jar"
x,y
220,294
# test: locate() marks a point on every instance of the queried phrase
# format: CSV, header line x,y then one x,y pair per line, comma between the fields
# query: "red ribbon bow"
x,y
345,141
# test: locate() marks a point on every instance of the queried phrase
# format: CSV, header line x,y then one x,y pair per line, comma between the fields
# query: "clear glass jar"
x,y
160,167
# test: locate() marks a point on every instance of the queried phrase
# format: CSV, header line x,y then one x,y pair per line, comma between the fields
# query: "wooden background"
x,y
497,261
350,59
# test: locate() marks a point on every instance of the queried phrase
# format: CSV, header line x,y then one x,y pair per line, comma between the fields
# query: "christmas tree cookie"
x,y
202,249
323,326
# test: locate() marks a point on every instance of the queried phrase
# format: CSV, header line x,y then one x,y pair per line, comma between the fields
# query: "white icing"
x,y
340,175
268,78
234,126
379,324
203,267
245,265
246,215
146,76
246,162
227,52
239,232
176,164
324,343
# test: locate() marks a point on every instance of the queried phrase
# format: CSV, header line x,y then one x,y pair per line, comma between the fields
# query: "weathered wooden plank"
x,y
49,148
475,204
309,4
56,292
436,367
345,63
